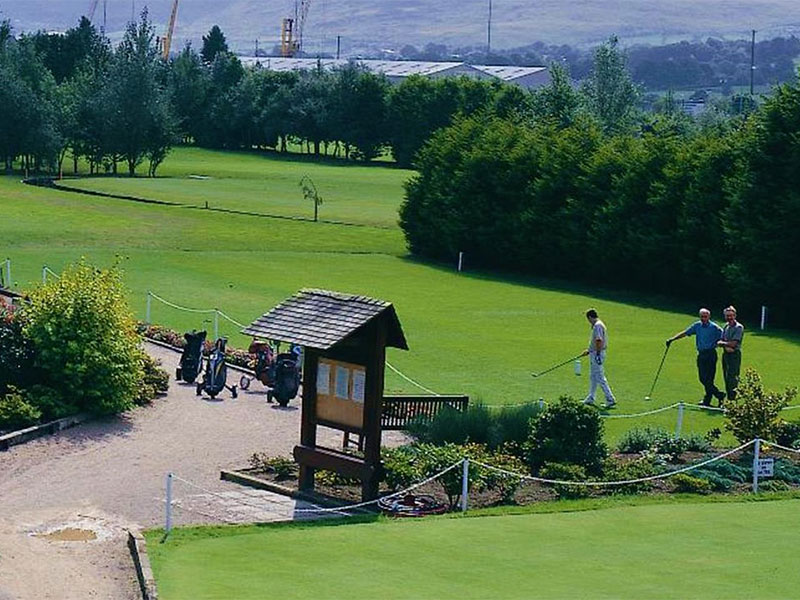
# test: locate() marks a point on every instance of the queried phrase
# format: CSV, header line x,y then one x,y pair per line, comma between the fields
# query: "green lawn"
x,y
470,333
252,183
675,550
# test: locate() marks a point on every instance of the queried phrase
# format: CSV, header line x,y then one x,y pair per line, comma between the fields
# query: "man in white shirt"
x,y
598,342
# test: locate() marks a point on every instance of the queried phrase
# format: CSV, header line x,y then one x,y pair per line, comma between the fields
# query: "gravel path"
x,y
105,476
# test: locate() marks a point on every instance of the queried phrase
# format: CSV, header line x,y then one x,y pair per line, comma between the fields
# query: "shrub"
x,y
87,349
478,424
16,412
697,443
504,483
641,439
401,469
155,380
787,433
729,470
566,472
717,482
618,470
16,352
773,485
787,471
567,432
281,466
755,412
687,484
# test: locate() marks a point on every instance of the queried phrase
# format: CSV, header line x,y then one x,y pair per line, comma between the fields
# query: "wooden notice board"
x,y
340,393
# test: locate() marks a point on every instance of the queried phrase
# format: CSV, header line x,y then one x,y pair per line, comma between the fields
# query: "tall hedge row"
x,y
710,214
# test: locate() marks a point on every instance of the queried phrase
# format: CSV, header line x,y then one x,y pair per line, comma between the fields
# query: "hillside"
x,y
369,25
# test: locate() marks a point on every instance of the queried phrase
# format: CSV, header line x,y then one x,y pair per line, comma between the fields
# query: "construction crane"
x,y
92,9
292,29
170,30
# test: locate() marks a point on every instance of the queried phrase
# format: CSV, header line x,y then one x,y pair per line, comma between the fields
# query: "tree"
x,y
610,92
141,121
358,112
190,84
213,44
558,101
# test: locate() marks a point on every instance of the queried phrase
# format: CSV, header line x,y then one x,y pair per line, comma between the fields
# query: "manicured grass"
x,y
683,550
472,333
252,183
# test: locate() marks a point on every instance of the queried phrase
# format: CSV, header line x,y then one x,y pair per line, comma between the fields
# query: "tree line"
x,y
584,188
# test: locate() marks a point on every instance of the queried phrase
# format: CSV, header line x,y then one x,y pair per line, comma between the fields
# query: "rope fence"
x,y
264,502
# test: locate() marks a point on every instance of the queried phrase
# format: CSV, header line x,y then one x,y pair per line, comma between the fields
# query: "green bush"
x,y
282,467
755,413
717,482
641,439
478,424
155,380
661,441
787,433
16,412
88,353
16,352
401,469
786,470
729,470
687,484
504,483
626,470
567,432
566,472
773,485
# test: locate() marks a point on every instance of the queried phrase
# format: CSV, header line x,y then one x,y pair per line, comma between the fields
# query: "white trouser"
x,y
597,377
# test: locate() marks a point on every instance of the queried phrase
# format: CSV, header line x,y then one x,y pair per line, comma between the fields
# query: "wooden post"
x,y
373,401
308,425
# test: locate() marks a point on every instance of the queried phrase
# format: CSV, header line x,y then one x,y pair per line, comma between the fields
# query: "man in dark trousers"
x,y
731,344
707,334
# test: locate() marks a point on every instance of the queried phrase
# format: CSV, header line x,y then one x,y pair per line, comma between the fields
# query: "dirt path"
x,y
107,475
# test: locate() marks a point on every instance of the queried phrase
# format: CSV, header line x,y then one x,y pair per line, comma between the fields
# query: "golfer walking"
x,y
731,344
598,342
707,334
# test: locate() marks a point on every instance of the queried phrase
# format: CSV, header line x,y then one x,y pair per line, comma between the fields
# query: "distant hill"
x,y
369,25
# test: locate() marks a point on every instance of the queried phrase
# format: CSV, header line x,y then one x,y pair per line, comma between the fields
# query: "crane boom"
x,y
170,30
292,29
92,9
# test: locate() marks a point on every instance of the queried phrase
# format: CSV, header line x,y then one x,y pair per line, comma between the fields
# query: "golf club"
x,y
553,368
652,387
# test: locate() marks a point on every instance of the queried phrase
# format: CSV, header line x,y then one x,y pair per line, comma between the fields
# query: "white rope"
x,y
235,322
419,385
184,308
641,414
774,445
790,407
703,407
622,482
318,509
50,271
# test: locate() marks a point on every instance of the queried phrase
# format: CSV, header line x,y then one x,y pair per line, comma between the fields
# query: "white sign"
x,y
766,467
323,378
342,382
359,378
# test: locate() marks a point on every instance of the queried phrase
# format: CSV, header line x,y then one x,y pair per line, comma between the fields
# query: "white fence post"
x,y
8,273
763,317
464,485
168,519
460,261
44,274
679,424
147,310
216,324
756,453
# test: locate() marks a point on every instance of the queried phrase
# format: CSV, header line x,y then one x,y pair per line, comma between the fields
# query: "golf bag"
x,y
265,365
287,378
191,363
216,374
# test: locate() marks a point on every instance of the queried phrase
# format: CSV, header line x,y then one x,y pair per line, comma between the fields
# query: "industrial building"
x,y
397,70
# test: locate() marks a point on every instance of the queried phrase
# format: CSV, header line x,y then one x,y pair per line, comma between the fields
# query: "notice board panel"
x,y
340,393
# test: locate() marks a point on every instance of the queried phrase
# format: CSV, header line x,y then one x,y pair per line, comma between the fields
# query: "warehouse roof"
x,y
321,319
390,68
509,72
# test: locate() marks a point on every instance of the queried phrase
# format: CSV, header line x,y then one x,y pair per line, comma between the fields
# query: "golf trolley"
x,y
265,365
215,376
279,373
191,363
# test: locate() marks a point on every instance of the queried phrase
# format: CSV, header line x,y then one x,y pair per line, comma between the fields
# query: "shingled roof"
x,y
321,319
